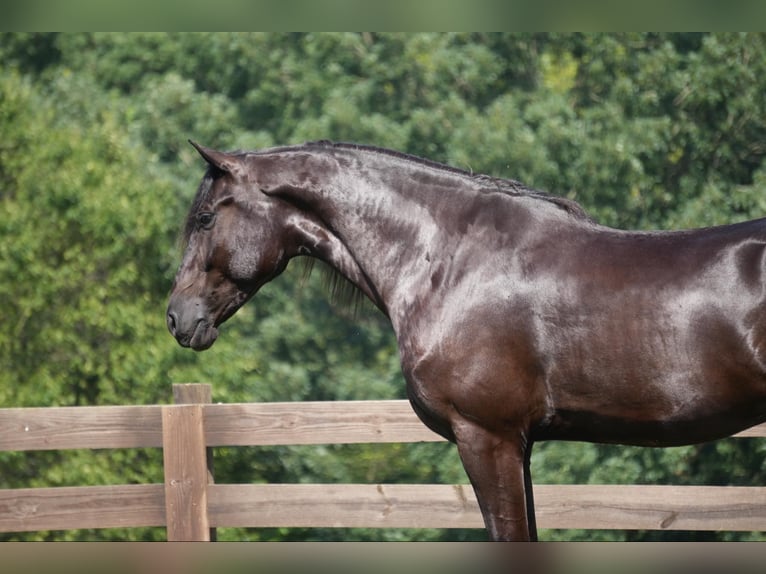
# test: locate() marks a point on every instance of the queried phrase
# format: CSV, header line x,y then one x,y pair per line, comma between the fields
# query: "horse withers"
x,y
517,317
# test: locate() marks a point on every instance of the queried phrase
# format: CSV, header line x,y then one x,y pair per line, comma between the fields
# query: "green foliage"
x,y
84,258
645,130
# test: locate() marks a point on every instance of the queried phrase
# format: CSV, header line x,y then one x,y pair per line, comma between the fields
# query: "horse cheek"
x,y
243,264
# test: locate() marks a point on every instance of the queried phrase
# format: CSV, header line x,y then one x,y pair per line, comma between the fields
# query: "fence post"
x,y
186,465
196,394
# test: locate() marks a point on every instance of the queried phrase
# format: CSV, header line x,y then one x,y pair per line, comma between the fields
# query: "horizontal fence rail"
x,y
190,505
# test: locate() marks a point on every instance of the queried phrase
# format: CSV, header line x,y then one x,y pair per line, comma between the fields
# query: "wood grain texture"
x,y
64,508
344,505
53,428
621,507
186,475
338,422
326,422
388,506
190,505
250,424
651,507
198,393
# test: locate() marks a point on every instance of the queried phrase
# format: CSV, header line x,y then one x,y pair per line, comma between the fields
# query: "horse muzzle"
x,y
190,323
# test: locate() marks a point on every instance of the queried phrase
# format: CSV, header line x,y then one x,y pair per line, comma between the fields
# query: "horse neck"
x,y
378,225
388,223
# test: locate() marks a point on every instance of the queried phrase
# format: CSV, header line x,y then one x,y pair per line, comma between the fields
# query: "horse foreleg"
x,y
529,494
499,472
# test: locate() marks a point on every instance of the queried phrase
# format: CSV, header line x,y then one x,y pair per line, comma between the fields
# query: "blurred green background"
x,y
646,131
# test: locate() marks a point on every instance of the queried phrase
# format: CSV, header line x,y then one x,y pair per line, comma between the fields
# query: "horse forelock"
x,y
203,192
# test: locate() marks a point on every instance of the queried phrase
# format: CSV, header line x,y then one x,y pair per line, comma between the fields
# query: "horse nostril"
x,y
172,322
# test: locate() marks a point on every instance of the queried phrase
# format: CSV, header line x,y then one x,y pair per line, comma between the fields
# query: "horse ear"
x,y
226,162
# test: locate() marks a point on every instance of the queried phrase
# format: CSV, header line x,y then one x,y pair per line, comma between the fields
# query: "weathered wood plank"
x,y
326,422
323,422
756,431
344,505
389,506
186,476
651,507
622,507
65,508
198,393
189,429
52,428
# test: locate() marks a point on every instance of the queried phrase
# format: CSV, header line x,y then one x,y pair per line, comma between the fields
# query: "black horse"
x,y
517,317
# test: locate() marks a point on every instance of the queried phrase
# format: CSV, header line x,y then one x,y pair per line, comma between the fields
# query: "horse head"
x,y
237,239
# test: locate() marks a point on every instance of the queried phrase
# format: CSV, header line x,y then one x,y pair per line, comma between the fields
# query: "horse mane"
x,y
510,187
490,183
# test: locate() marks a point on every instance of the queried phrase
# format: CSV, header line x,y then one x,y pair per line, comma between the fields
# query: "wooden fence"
x,y
191,505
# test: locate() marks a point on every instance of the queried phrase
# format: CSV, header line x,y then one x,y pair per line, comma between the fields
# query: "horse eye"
x,y
205,219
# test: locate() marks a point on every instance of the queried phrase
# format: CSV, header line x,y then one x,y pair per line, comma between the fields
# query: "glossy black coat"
x,y
517,317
